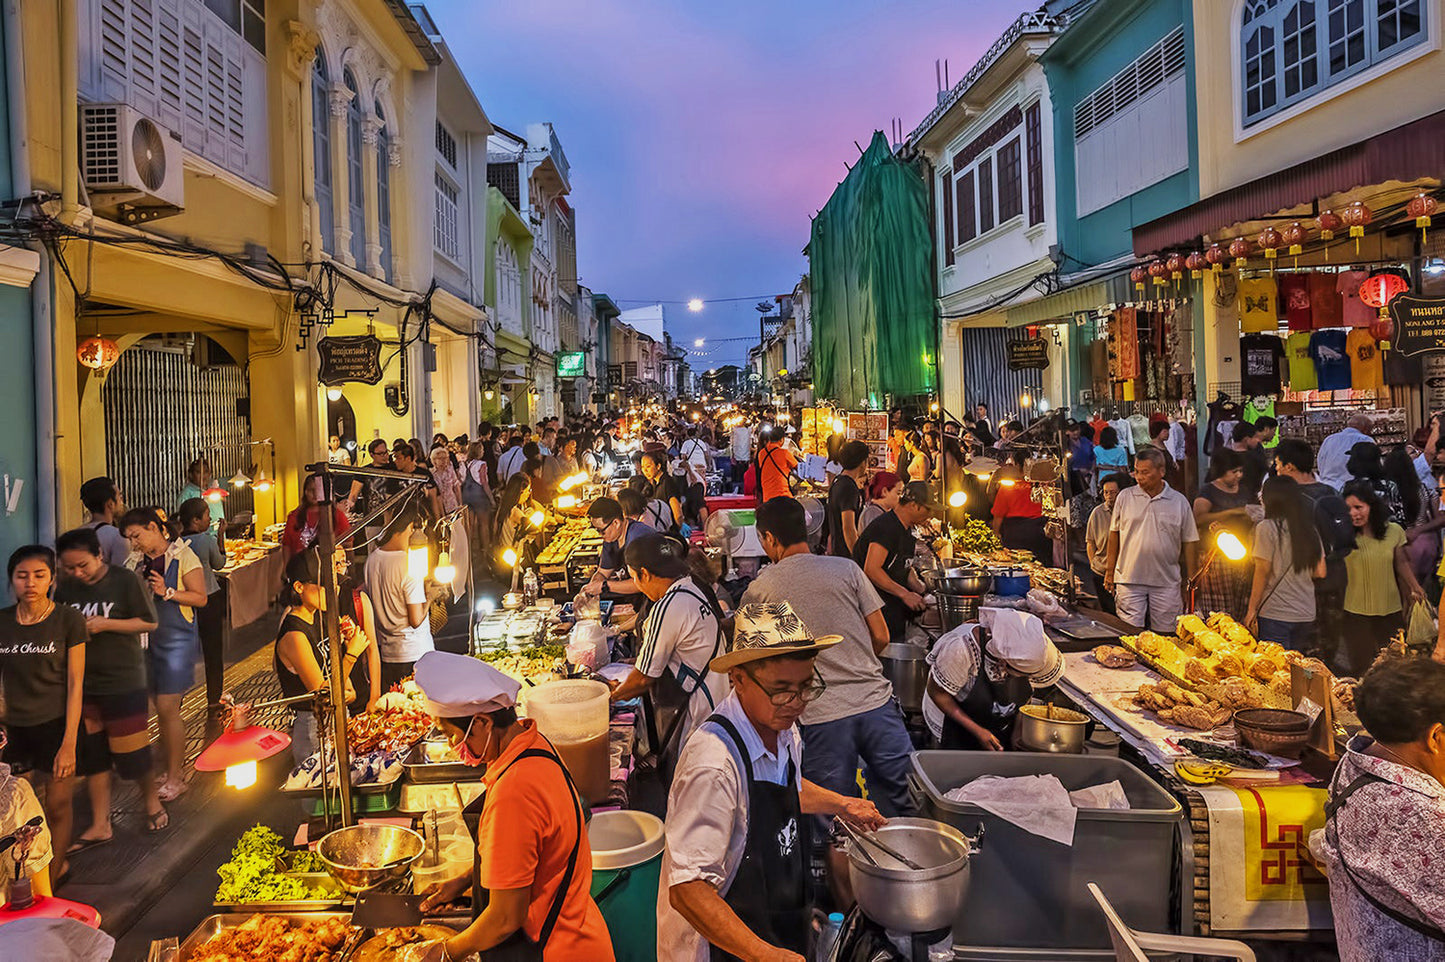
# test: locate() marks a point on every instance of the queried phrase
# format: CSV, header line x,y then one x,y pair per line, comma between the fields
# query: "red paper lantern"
x,y
1175,263
1158,270
1137,275
1357,215
1329,222
1216,256
1196,262
1295,236
1269,241
1420,207
1378,290
97,353
1239,249
1382,329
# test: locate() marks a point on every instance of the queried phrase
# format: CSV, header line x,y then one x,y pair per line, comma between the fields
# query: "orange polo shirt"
x,y
528,828
777,463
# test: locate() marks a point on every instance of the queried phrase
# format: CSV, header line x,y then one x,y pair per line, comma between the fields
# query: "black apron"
x,y
769,893
993,705
518,947
670,695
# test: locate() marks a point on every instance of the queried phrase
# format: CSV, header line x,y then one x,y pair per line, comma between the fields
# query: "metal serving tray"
x,y
419,770
341,899
222,921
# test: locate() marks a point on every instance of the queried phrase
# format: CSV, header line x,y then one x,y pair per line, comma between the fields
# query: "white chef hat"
x,y
1018,640
458,686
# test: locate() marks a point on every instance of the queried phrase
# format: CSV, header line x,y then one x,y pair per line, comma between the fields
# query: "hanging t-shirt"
x,y
1294,301
1259,364
1356,312
1367,373
1258,305
1332,363
1325,303
1301,365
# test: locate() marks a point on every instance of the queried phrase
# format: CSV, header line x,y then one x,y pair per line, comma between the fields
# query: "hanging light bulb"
x,y
333,393
214,493
241,776
239,479
263,483
445,572
957,499
510,557
418,556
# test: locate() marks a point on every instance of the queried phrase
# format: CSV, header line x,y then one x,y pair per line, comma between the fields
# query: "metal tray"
x,y
219,922
366,788
419,770
406,809
1080,628
340,900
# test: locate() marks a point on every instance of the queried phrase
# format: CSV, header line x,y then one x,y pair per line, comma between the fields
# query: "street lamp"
x,y
698,342
695,305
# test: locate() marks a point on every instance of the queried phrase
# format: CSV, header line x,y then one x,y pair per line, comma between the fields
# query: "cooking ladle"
x,y
872,839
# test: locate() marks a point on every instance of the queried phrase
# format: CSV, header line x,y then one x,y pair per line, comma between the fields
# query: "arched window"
x,y
383,191
509,287
321,148
356,184
1292,49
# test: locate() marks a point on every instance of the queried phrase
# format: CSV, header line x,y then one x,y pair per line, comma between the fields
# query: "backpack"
x,y
474,495
1337,534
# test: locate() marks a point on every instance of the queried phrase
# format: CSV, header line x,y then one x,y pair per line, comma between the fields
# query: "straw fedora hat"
x,y
766,631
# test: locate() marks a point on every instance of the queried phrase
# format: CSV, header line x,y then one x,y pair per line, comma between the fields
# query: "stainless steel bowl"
x,y
907,668
957,581
364,856
905,899
1058,730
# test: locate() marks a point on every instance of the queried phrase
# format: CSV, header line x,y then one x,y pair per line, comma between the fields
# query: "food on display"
x,y
252,874
241,551
1114,656
367,768
532,665
388,945
276,937
1200,772
975,536
393,729
1180,706
1343,691
1238,757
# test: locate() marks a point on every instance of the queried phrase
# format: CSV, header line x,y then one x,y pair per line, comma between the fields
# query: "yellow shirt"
x,y
1367,371
1258,305
1371,589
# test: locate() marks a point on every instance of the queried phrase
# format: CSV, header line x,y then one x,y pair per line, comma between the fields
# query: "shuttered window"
x,y
321,141
356,182
985,196
967,218
186,67
1010,181
947,205
383,192
446,216
1034,155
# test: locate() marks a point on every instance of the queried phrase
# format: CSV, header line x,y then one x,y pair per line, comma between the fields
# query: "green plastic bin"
x,y
626,865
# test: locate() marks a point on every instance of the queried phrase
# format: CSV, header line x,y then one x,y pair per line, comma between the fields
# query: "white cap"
x,y
1018,640
458,686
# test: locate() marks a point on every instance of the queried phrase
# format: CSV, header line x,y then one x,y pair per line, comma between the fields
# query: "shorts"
x,y
115,732
171,663
34,747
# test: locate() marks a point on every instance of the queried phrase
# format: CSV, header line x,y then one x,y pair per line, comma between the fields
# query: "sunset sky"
x,y
703,137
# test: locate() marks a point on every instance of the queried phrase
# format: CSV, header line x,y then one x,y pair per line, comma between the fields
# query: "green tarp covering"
x,y
871,267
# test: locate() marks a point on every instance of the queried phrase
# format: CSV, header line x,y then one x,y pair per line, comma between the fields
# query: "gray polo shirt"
x,y
1152,532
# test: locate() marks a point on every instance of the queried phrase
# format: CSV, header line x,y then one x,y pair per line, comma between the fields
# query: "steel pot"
x,y
958,581
905,666
1060,730
908,900
956,610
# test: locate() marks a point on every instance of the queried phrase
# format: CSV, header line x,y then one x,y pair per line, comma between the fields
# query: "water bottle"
x,y
828,938
530,588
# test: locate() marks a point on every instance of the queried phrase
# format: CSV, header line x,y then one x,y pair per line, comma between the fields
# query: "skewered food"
x,y
1114,656
1238,757
276,937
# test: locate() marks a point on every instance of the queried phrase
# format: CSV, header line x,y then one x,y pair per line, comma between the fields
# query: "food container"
x,y
956,610
972,582
912,900
1011,583
364,856
1275,731
574,716
906,667
220,922
424,764
1042,728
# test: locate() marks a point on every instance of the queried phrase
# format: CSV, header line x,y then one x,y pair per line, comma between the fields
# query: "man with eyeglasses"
x,y
605,516
368,494
735,866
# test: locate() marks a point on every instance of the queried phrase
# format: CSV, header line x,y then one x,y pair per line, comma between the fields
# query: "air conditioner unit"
x,y
130,162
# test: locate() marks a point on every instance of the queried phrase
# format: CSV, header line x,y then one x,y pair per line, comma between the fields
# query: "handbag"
x,y
437,614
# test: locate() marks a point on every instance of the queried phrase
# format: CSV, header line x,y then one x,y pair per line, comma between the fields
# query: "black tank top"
x,y
291,684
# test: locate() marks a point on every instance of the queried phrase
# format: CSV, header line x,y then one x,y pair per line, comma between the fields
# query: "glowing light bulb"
x,y
1025,400
510,557
957,499
333,393
489,394
1006,482
838,426
567,501
263,483
933,407
445,571
537,518
241,776
695,305
1230,546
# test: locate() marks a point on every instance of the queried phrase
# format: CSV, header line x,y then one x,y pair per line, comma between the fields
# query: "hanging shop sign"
x,y
1419,323
1432,370
350,358
571,364
1031,354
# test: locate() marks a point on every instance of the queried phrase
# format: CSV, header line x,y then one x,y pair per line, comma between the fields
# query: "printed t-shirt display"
x,y
1301,364
1259,367
1325,303
1356,312
1366,370
1294,301
1258,305
1332,363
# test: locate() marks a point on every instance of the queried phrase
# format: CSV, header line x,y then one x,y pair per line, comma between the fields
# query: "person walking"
x,y
1288,557
448,481
1380,582
1366,464
115,733
211,620
775,464
402,602
845,499
1109,454
1294,459
858,718
42,667
1334,452
1151,535
173,573
1096,535
102,499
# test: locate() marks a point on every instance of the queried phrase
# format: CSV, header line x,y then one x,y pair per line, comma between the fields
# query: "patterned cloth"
x,y
1392,836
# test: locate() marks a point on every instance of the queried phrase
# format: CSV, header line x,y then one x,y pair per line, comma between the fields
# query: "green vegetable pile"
x,y
975,536
252,876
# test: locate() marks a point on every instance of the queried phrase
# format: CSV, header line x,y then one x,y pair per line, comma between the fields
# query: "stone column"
x,y
341,175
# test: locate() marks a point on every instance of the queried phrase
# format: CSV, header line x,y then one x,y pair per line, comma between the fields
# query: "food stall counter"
x,y
251,580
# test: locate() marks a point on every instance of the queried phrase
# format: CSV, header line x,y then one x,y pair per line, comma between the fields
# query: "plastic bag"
x,y
1421,631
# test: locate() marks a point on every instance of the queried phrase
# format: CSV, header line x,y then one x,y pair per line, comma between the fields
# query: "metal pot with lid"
x,y
1044,728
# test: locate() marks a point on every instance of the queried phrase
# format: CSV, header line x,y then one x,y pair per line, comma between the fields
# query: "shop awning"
x,y
1088,296
1406,153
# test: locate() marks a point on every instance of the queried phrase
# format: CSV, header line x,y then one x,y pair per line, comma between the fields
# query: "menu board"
x,y
872,429
815,427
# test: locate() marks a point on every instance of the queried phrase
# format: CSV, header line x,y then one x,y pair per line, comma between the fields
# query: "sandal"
x,y
158,821
81,844
171,791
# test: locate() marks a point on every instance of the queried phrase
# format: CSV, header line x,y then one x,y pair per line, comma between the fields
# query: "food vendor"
x,y
532,870
980,676
680,636
734,880
605,516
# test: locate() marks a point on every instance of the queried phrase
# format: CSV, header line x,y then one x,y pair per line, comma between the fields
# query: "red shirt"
x,y
1016,502
528,828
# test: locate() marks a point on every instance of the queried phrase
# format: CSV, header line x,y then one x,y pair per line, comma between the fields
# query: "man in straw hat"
x,y
532,870
735,869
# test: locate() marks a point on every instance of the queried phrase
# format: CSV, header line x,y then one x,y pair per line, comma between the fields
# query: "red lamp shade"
x,y
251,744
215,493
1378,290
97,353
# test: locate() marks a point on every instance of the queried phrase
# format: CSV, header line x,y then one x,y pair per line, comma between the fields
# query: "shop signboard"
x,y
1419,323
1432,370
350,358
1026,355
571,364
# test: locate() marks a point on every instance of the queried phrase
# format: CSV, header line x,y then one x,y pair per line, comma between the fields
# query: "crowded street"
x,y
1016,534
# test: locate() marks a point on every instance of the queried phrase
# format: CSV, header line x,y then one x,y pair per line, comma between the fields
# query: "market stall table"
x,y
251,580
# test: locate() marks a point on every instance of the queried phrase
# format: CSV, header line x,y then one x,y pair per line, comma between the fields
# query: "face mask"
x,y
465,753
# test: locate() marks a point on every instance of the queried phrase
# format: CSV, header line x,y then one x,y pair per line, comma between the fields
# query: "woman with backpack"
x,y
1288,557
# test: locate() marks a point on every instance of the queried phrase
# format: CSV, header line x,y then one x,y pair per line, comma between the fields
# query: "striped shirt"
x,y
681,635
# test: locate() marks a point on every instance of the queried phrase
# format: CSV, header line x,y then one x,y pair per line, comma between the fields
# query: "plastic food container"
x,y
574,716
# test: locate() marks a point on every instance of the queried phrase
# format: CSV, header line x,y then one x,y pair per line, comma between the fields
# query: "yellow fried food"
x,y
1188,626
1210,641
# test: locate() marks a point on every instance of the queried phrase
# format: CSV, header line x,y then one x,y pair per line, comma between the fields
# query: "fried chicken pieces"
x,y
1114,656
276,939
1181,706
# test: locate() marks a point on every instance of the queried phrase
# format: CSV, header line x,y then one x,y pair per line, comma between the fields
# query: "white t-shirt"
x,y
694,460
681,635
391,589
742,443
510,463
1152,531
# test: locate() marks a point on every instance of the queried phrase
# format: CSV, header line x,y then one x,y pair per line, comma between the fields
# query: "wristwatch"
x,y
170,593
